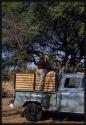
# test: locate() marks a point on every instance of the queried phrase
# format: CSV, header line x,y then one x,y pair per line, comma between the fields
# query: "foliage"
x,y
34,28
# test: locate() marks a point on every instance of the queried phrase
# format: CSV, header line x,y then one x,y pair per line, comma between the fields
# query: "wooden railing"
x,y
30,82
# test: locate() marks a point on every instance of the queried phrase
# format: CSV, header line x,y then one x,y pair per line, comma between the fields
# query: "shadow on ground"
x,y
63,117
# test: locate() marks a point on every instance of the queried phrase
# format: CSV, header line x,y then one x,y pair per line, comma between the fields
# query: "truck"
x,y
67,96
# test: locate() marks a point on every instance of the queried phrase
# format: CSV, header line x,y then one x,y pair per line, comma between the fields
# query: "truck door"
x,y
54,101
72,96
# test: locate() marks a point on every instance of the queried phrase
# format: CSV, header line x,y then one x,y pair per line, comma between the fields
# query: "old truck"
x,y
64,96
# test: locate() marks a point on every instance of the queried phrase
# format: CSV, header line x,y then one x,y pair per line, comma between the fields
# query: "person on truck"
x,y
62,71
43,67
66,69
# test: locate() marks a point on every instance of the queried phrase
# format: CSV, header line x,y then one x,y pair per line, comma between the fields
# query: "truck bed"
x,y
30,82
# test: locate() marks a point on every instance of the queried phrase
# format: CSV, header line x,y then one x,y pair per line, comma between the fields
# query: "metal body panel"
x,y
48,101
72,102
72,99
65,100
22,97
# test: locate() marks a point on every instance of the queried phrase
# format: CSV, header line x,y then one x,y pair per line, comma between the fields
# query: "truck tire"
x,y
33,112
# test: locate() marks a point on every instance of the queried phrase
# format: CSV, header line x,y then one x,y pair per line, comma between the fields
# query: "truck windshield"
x,y
73,83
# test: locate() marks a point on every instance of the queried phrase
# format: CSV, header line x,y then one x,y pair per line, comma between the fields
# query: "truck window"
x,y
73,83
69,83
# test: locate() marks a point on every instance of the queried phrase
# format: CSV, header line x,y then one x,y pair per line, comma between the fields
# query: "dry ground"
x,y
14,116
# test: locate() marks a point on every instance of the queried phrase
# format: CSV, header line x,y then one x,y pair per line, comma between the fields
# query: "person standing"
x,y
43,67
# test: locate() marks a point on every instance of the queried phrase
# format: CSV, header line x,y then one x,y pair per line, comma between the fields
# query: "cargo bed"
x,y
30,82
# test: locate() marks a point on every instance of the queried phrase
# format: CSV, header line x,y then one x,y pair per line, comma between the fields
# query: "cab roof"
x,y
73,75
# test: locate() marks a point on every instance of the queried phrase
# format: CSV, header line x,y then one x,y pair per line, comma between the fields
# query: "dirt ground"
x,y
10,115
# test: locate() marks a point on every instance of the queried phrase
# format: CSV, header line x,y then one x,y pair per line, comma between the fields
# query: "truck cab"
x,y
68,97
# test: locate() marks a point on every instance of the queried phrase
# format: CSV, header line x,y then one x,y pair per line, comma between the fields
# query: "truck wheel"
x,y
33,112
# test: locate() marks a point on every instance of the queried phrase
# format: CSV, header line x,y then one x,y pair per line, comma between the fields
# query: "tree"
x,y
15,34
37,28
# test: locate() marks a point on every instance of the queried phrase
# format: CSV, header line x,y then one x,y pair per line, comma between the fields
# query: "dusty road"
x,y
14,116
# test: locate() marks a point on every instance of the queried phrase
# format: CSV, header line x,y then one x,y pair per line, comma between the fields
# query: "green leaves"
x,y
81,31
22,29
56,11
11,6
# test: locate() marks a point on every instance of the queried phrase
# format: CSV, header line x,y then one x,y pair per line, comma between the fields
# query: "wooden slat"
x,y
25,79
24,86
47,76
44,88
27,76
24,82
24,76
18,82
37,81
46,85
24,89
18,74
47,80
